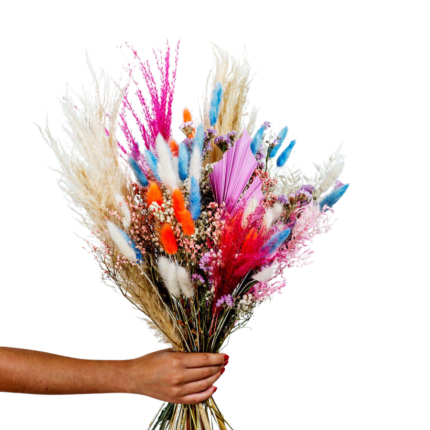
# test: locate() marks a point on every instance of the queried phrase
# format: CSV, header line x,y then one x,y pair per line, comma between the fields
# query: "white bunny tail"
x,y
265,274
165,168
120,241
185,282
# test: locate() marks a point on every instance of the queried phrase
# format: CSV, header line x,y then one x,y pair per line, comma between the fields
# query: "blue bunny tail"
x,y
140,176
183,160
215,104
199,138
256,141
152,161
195,198
285,154
334,196
276,241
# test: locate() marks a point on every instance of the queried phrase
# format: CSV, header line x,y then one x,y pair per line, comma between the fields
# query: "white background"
x,y
346,345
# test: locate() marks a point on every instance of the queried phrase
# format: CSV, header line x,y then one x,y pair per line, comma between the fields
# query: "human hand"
x,y
176,377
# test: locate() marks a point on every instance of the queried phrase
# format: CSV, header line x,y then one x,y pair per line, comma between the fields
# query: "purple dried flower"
x,y
210,132
309,188
227,300
188,143
266,125
198,278
283,199
259,155
337,184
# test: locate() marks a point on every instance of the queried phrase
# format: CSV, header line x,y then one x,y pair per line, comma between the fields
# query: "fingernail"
x,y
222,371
226,357
214,390
225,363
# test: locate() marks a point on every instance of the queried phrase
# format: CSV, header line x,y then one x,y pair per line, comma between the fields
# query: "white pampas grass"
x,y
195,163
277,211
265,274
168,272
165,165
126,215
331,176
185,282
120,241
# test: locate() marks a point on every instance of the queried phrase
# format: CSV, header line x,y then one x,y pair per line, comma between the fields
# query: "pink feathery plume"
x,y
156,107
231,174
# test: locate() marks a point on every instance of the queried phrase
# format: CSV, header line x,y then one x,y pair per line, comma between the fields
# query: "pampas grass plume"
x,y
154,195
126,220
168,239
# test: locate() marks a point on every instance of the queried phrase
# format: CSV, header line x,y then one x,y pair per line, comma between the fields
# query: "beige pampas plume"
x,y
265,274
90,169
331,176
185,282
126,215
165,166
235,78
121,242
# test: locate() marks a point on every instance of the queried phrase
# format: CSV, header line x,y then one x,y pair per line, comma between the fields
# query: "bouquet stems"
x,y
202,416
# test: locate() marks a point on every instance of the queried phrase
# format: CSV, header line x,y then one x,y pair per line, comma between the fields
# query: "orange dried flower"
x,y
174,148
154,194
168,239
187,115
187,222
187,118
178,202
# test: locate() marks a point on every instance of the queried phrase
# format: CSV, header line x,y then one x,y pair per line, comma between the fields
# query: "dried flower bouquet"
x,y
195,234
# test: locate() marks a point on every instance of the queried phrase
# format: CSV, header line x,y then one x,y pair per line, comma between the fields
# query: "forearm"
x,y
42,373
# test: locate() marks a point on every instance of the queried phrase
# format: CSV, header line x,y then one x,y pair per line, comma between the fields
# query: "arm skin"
x,y
175,377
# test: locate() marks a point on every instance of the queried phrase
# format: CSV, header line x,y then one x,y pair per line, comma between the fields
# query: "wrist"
x,y
125,376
